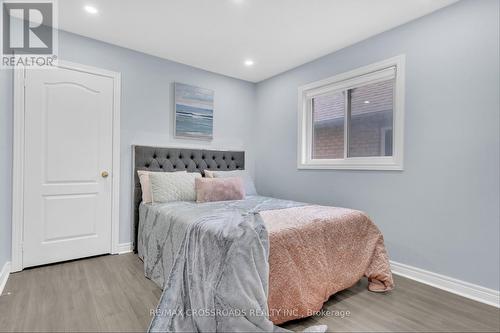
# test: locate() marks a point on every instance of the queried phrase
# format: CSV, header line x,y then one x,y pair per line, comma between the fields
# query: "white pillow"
x,y
173,186
247,179
146,184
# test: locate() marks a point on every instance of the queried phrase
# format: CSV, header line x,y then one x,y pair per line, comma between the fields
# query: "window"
x,y
354,120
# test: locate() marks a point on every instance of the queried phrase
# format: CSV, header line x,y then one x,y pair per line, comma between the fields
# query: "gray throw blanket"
x,y
214,262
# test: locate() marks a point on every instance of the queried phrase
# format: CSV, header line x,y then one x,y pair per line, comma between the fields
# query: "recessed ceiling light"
x,y
367,102
249,62
90,9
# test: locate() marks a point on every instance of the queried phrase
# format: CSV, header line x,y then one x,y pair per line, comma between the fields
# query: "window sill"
x,y
354,164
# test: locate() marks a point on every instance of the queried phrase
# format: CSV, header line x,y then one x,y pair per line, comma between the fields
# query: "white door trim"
x,y
18,159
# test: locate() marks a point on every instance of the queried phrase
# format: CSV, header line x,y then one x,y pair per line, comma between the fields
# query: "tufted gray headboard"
x,y
177,159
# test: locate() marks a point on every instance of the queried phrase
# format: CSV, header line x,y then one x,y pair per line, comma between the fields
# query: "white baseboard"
x,y
124,248
455,286
4,276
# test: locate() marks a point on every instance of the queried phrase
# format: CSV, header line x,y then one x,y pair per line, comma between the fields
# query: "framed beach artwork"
x,y
194,112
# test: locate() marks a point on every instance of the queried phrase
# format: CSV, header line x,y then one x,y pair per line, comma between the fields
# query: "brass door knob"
x,y
104,174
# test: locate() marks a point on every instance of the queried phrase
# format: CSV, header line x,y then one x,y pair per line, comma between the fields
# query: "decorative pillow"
x,y
219,189
146,184
173,186
247,179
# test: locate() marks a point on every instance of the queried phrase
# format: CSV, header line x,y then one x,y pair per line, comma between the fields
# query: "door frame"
x,y
18,158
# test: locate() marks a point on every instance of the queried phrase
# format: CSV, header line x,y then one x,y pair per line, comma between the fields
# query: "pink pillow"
x,y
219,189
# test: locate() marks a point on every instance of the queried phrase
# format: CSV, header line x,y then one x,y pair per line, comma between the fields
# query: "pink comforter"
x,y
316,251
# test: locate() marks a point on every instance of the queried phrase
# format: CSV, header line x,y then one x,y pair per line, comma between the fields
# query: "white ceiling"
x,y
219,35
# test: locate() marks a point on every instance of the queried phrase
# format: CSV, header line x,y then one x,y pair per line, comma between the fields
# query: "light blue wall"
x,y
146,114
5,164
147,99
442,212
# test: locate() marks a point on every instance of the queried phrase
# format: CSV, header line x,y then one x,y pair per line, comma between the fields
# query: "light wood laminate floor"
x,y
110,293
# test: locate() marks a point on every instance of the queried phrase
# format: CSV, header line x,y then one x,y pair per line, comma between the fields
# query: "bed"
x,y
290,258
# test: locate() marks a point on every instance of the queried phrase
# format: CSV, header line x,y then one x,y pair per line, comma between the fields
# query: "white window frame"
x,y
360,76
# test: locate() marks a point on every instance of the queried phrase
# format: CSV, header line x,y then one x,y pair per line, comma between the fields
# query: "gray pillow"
x,y
247,179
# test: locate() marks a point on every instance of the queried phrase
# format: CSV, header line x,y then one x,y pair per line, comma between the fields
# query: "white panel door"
x,y
68,165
